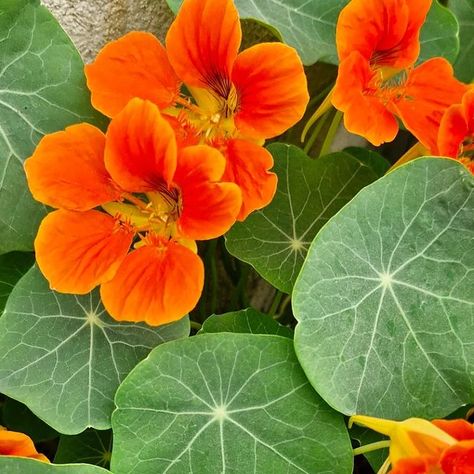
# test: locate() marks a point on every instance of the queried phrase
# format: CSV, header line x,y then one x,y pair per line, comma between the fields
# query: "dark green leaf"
x,y
12,267
248,321
275,240
464,65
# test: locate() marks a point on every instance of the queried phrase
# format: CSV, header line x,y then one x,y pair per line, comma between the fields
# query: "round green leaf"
x,y
91,446
64,357
276,239
385,300
375,161
12,465
464,65
310,26
248,321
42,90
13,266
225,403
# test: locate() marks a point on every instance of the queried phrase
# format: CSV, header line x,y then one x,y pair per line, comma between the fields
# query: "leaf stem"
x,y
315,134
331,133
195,325
275,303
371,447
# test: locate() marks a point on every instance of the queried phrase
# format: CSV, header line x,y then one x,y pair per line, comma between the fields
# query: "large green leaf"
x,y
64,357
385,300
275,240
310,26
12,465
91,446
225,403
13,266
42,90
464,65
248,321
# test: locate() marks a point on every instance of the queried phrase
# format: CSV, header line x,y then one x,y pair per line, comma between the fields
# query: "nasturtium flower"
x,y
419,446
456,132
378,46
132,185
239,99
18,444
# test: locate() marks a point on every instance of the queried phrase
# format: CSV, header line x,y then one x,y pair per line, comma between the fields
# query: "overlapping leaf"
x,y
13,266
276,239
464,65
385,300
64,357
12,465
42,90
225,403
310,26
249,321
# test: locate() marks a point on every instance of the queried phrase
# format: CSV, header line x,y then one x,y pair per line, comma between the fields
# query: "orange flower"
x,y
250,96
456,132
18,444
378,45
163,197
421,447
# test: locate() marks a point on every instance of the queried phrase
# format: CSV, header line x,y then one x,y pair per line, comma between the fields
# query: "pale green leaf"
x,y
13,465
225,403
42,90
385,300
276,239
64,357
248,321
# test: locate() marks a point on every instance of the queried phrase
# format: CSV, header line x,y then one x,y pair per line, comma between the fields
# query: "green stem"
x,y
283,307
368,448
275,303
316,131
331,133
195,325
213,270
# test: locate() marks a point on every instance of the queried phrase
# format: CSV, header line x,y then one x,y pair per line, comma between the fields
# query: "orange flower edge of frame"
x,y
157,199
245,96
17,444
456,131
419,446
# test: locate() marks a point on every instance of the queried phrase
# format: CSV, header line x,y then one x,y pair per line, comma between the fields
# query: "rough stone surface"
x,y
92,23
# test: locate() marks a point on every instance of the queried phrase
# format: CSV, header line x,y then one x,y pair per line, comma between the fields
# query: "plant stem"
x,y
283,307
275,303
331,133
371,447
195,325
316,131
211,254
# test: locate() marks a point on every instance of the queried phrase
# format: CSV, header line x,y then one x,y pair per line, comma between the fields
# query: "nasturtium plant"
x,y
238,249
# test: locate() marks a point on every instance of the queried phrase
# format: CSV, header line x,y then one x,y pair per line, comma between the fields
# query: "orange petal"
x,y
67,169
273,94
76,251
420,465
459,459
429,90
186,134
383,32
458,429
157,283
209,207
140,152
18,444
203,42
452,131
364,114
248,166
135,65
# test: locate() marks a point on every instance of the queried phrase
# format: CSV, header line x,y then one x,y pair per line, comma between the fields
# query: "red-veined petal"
x,y
140,151
67,169
135,65
272,94
157,284
209,207
203,42
459,459
76,251
248,166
